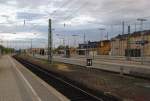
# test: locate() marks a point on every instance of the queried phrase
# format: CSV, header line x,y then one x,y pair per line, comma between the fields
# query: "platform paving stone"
x,y
19,84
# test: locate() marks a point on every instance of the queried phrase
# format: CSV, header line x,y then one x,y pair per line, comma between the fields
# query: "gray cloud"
x,y
106,13
29,16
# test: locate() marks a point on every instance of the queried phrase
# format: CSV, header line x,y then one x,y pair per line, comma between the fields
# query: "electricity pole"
x,y
128,44
84,38
123,32
101,38
123,25
142,37
135,27
31,44
50,42
107,36
101,29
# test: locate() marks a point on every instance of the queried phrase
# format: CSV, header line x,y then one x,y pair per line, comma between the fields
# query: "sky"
x,y
26,20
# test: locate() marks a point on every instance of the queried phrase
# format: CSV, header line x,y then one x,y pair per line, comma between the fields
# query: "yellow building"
x,y
122,44
104,47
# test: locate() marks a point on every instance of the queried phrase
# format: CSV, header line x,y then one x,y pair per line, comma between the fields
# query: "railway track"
x,y
70,89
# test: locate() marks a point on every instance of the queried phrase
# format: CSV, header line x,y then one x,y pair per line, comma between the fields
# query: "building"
x,y
131,44
119,45
95,48
88,48
104,47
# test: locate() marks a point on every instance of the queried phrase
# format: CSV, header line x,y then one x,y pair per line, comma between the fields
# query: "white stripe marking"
x,y
26,81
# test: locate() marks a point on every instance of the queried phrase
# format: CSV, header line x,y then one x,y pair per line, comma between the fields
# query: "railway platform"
x,y
130,68
19,84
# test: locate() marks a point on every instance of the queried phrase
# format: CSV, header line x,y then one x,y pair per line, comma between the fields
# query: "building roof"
x,y
94,42
134,34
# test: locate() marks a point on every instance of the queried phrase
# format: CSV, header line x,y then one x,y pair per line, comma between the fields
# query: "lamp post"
x,y
142,37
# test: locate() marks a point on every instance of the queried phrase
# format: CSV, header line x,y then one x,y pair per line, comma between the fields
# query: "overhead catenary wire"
x,y
65,4
54,12
70,16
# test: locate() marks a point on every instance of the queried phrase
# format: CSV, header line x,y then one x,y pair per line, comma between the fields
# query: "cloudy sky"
x,y
28,19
